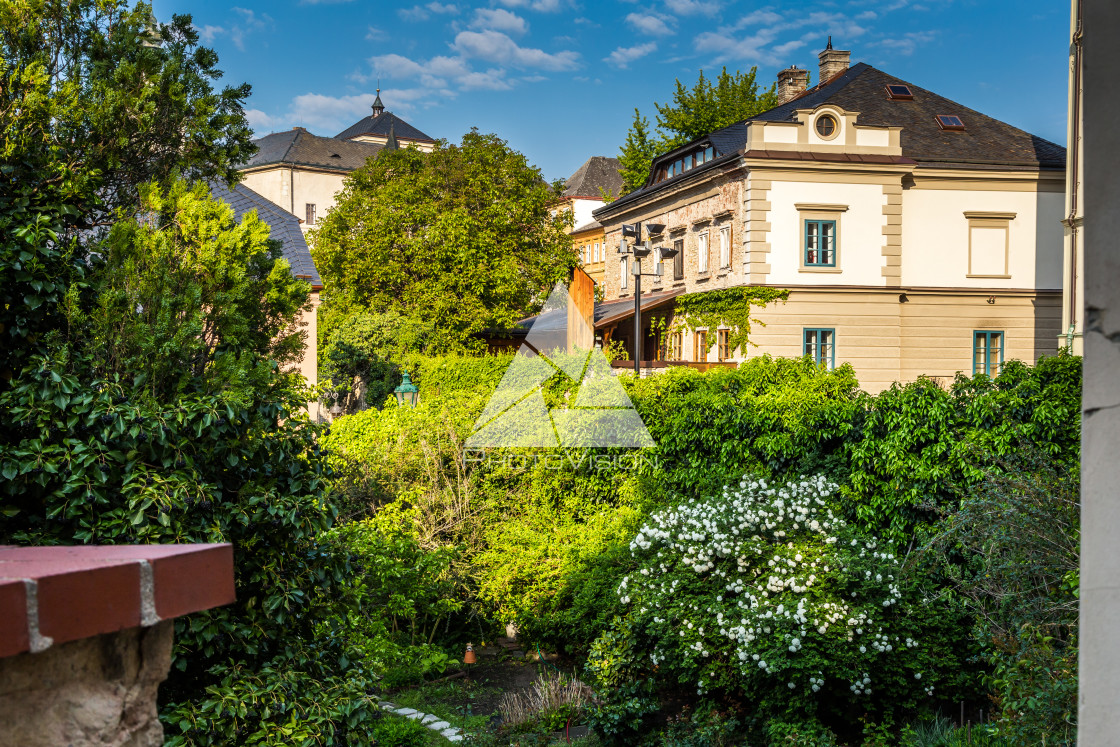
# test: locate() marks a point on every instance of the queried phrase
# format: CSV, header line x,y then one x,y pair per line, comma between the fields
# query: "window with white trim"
x,y
622,273
702,253
725,247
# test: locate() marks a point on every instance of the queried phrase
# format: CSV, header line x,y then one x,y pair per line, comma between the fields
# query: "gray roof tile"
x,y
380,125
283,227
597,174
298,147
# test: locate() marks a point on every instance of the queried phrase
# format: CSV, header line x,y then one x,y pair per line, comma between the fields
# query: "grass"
x,y
450,701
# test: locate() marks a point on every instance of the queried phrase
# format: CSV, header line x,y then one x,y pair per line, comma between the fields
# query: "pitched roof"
x,y
984,140
283,227
597,174
299,147
984,143
379,126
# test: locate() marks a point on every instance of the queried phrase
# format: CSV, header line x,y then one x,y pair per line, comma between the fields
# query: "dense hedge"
x,y
546,543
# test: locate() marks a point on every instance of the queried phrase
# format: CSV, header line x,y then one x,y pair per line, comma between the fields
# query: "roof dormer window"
x,y
685,163
900,93
950,122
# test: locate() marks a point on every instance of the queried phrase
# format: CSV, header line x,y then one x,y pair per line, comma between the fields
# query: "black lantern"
x,y
406,392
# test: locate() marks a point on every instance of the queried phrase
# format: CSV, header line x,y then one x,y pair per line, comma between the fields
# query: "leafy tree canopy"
x,y
95,100
693,113
456,241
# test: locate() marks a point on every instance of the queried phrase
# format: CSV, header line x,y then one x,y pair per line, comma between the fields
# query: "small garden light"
x,y
470,657
406,392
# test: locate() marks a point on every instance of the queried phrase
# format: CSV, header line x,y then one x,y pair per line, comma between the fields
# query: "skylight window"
x,y
900,93
950,122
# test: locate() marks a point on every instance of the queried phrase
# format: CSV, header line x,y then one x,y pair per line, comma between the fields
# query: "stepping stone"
x,y
439,726
405,711
455,738
450,732
415,716
429,719
386,705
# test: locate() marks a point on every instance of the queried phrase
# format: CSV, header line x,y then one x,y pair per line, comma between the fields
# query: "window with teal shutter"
x,y
820,243
820,346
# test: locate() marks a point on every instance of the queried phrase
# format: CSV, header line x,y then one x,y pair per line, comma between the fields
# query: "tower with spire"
x,y
378,107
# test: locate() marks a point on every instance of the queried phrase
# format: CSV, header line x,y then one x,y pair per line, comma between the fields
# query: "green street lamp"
x,y
406,392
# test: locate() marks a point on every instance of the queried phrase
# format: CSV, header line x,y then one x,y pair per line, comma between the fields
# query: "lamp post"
x,y
406,392
639,251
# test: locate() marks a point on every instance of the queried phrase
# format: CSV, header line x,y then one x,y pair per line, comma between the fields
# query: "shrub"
x,y
764,592
391,731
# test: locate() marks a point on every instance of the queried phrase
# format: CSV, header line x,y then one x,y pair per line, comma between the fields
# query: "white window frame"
x,y
725,247
622,272
703,253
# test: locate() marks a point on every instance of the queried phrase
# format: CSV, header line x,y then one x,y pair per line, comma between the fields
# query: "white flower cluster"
x,y
761,565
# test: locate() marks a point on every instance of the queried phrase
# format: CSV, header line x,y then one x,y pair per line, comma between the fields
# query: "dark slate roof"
x,y
299,147
380,125
587,227
597,175
283,227
985,142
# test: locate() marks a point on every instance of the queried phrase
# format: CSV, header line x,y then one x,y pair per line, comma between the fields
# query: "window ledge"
x,y
991,277
820,269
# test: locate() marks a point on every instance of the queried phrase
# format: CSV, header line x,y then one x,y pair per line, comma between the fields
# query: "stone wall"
x,y
95,691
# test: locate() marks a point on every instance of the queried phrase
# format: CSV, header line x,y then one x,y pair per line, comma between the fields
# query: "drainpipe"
x,y
1072,163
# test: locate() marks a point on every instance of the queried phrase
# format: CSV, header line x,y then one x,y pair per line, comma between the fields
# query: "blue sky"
x,y
559,79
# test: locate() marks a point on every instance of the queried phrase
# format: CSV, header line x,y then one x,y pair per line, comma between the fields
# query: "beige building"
x,y
915,235
302,172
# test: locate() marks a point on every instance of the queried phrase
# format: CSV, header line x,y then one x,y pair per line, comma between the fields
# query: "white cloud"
x,y
650,23
542,6
499,19
424,12
760,17
623,56
907,43
761,46
261,121
246,22
493,46
209,33
376,34
693,7
491,80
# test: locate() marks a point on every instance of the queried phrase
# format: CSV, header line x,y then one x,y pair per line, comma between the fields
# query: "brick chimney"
x,y
833,62
792,82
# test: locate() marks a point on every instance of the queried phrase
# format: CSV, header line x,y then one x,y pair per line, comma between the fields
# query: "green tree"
x,y
637,153
95,100
456,241
143,395
693,113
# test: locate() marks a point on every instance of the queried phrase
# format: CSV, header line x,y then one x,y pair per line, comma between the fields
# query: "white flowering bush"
x,y
765,592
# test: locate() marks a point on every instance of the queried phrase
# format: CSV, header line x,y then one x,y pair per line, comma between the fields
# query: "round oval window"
x,y
826,125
